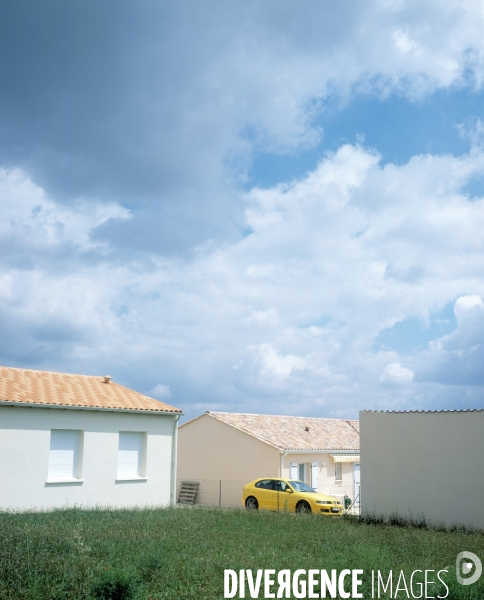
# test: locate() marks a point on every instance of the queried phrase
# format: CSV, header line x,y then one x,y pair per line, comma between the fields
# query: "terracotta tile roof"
x,y
296,433
62,389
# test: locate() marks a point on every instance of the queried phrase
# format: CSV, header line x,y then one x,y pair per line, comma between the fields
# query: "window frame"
x,y
338,467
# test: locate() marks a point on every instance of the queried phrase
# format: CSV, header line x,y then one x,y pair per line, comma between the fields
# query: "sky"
x,y
268,207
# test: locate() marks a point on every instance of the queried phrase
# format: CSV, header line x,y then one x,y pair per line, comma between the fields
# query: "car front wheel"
x,y
251,503
303,508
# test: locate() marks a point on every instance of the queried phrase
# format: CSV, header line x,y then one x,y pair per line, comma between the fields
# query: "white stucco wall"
x,y
428,464
24,458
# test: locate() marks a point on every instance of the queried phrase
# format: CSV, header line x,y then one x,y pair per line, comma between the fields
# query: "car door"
x,y
266,495
285,499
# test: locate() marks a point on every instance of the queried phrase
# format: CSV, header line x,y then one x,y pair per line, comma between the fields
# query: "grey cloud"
x,y
37,344
96,98
59,331
19,253
169,230
145,103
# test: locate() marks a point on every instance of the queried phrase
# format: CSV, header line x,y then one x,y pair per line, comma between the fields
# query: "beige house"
x,y
424,464
83,440
224,451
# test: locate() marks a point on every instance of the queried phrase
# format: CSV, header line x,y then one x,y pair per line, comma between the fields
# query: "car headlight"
x,y
323,502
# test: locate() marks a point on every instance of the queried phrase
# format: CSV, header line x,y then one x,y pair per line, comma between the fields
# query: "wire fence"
x,y
228,493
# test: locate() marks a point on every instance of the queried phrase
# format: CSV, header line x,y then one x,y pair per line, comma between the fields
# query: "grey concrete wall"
x,y
424,464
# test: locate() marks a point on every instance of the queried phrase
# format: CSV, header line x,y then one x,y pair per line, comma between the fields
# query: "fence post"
x,y
220,494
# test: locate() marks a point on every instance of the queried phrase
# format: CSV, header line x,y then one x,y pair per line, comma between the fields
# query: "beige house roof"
x,y
62,389
295,433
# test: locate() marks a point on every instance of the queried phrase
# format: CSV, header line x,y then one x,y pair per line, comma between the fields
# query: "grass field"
x,y
181,553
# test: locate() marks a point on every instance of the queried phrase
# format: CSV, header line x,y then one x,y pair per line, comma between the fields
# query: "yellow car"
x,y
289,495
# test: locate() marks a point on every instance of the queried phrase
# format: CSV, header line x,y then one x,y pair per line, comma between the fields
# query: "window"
x,y
280,486
338,471
265,484
300,486
298,471
65,455
131,455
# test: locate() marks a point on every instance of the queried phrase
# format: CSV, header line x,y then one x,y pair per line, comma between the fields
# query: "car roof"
x,y
276,479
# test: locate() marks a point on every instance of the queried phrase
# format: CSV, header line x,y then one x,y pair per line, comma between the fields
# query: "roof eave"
x,y
325,451
97,408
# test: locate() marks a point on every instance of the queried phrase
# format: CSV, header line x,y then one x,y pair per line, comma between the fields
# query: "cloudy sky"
x,y
272,207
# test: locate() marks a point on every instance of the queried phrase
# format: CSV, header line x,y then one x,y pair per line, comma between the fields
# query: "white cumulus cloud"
x,y
396,374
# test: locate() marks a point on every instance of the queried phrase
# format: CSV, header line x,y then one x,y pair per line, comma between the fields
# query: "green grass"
x,y
181,553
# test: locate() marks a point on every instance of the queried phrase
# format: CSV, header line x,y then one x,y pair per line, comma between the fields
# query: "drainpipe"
x,y
174,442
281,462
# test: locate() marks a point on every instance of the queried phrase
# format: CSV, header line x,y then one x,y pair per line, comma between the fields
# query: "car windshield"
x,y
300,486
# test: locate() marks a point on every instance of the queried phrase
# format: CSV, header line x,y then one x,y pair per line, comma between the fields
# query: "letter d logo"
x,y
466,567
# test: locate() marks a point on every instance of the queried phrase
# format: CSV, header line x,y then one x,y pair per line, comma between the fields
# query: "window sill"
x,y
67,480
131,479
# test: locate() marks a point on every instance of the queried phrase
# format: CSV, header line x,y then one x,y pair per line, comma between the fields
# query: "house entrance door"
x,y
314,476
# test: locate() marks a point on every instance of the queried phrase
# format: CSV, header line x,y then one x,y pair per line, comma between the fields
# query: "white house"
x,y
223,451
83,440
424,464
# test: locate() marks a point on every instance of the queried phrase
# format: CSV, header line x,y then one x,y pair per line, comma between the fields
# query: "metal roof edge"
x,y
454,410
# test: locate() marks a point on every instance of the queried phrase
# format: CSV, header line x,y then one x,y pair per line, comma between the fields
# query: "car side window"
x,y
280,486
265,484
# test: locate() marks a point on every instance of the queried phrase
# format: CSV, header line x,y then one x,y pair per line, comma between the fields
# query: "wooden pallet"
x,y
188,492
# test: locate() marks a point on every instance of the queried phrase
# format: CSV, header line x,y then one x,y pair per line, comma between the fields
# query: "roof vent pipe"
x,y
107,378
